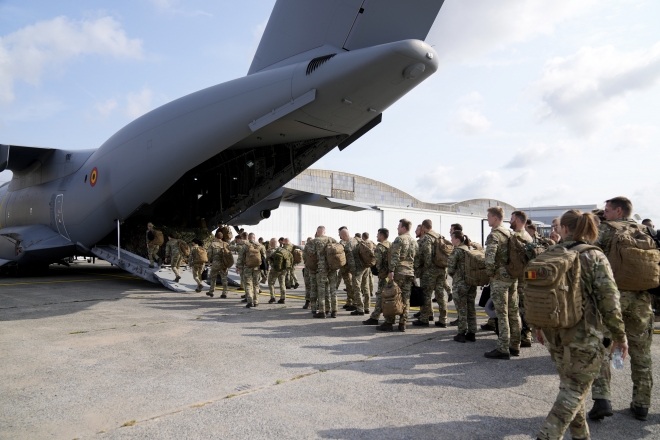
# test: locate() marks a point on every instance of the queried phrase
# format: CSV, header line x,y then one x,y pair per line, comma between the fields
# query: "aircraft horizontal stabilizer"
x,y
18,158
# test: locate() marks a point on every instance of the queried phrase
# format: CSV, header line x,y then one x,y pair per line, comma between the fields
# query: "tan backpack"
x,y
518,257
553,290
334,255
441,251
475,266
226,233
392,301
634,258
311,259
159,239
297,256
184,248
200,256
367,256
227,256
252,256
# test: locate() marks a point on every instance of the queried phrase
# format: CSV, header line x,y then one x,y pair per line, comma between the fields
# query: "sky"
x,y
535,103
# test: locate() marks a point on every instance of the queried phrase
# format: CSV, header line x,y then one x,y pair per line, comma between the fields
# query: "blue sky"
x,y
535,103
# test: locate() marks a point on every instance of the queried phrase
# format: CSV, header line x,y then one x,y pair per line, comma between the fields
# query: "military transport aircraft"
x,y
324,72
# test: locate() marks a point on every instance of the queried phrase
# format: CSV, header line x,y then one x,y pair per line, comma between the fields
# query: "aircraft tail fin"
x,y
301,29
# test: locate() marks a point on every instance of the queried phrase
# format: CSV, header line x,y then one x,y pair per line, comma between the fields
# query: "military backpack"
x,y
280,260
252,255
297,256
200,256
159,239
335,256
184,248
553,290
634,257
441,251
518,257
226,233
475,266
366,254
391,300
310,257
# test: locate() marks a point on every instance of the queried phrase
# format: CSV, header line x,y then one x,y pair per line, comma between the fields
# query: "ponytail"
x,y
581,225
458,235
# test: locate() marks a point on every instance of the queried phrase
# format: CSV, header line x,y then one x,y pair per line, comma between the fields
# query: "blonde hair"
x,y
497,211
581,225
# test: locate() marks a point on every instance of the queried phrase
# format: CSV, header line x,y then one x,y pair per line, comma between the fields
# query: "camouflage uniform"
x,y
275,275
214,253
358,272
638,318
238,247
382,250
172,251
525,331
464,294
368,280
578,352
325,279
345,274
292,270
503,290
152,250
310,248
430,277
402,261
197,268
252,274
306,272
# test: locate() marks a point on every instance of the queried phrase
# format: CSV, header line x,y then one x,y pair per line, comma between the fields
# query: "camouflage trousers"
x,y
378,309
252,275
368,283
313,290
638,319
505,299
445,287
278,275
326,295
176,263
292,276
464,297
405,283
197,270
578,365
525,331
218,269
345,275
432,280
152,253
264,276
308,287
360,297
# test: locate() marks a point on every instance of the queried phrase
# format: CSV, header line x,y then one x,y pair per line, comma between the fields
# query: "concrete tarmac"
x,y
93,352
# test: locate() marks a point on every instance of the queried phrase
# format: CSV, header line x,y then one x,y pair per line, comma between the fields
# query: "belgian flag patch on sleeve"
x,y
530,275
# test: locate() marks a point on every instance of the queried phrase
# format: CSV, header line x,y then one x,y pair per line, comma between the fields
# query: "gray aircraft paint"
x,y
53,208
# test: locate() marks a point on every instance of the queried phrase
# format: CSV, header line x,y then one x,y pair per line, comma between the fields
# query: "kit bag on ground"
x,y
252,256
159,239
392,302
475,266
334,254
441,252
634,257
553,293
297,256
201,256
279,259
184,248
416,296
485,296
367,256
227,257
518,257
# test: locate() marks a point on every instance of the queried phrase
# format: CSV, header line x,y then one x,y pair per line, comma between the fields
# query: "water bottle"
x,y
617,359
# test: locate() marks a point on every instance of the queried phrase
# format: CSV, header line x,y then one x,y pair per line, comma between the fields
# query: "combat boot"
x,y
441,324
496,354
525,344
460,338
602,408
487,327
417,315
470,337
280,301
370,321
385,327
351,308
402,326
319,315
367,311
224,295
514,352
306,306
210,293
454,323
450,298
357,313
151,266
418,323
271,301
249,305
199,288
244,300
176,280
639,412
333,314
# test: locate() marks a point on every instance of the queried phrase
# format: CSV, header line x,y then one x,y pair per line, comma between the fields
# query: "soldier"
x,y
197,257
382,264
368,284
648,223
464,294
152,246
502,287
578,352
345,275
310,248
357,270
517,223
292,270
637,316
326,279
430,277
173,254
306,277
215,256
241,241
402,272
274,273
264,272
251,269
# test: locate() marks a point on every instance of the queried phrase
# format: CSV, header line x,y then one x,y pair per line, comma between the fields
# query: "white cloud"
x,y
138,104
465,30
587,89
107,107
635,136
471,98
449,184
469,122
28,52
171,7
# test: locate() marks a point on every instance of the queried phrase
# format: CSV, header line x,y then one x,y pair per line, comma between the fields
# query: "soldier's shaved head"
x,y
321,229
251,236
273,242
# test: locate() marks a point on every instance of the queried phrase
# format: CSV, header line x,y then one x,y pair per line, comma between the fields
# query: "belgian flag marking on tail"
x,y
530,275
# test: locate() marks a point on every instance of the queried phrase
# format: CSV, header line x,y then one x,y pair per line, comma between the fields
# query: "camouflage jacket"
x,y
353,256
319,247
424,258
243,251
403,254
497,253
382,263
214,251
194,256
456,265
172,248
344,268
601,300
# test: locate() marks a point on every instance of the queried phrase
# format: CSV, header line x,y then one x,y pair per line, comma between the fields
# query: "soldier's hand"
x,y
390,276
539,336
623,346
